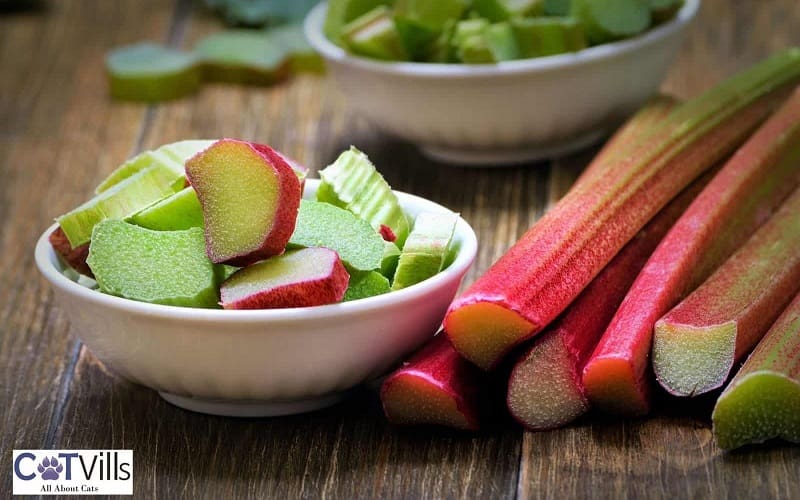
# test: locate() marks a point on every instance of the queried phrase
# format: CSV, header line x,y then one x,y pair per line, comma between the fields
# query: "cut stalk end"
x,y
762,405
692,360
414,399
483,332
611,384
544,390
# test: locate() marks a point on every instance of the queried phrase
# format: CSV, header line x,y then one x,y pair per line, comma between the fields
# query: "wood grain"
x,y
59,135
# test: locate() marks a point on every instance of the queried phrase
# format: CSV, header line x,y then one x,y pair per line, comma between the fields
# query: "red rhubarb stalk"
x,y
697,343
747,190
545,388
557,258
436,386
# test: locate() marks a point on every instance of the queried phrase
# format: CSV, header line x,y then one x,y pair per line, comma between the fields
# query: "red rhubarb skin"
x,y
584,321
328,289
275,240
560,255
745,291
74,257
440,366
747,190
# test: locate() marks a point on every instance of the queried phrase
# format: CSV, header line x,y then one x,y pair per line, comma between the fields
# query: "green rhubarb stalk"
x,y
546,270
697,343
763,400
750,187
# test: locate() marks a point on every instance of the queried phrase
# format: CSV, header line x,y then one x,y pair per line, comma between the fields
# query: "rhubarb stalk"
x,y
545,388
747,190
763,400
557,258
436,386
697,343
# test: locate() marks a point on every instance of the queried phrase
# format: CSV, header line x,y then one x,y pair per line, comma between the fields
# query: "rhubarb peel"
x,y
697,343
763,400
545,388
748,189
436,386
557,258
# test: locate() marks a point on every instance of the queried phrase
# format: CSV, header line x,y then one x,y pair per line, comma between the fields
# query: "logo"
x,y
73,472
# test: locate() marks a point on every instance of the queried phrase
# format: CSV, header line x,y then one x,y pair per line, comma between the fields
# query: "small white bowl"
x,y
265,362
510,112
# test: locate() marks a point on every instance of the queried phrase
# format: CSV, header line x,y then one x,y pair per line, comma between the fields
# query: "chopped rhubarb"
x,y
74,257
763,400
749,188
557,258
436,386
697,343
545,388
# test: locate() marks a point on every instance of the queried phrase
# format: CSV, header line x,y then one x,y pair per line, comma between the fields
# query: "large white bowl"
x,y
508,112
258,363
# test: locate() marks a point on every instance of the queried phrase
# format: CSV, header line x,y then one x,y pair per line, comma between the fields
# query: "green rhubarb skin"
x,y
697,343
123,200
366,284
243,56
426,249
541,274
391,254
748,189
556,7
160,267
374,35
180,211
150,72
352,182
420,22
500,39
548,36
171,156
609,20
324,225
762,401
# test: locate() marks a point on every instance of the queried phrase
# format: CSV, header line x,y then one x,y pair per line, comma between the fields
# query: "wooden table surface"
x,y
60,134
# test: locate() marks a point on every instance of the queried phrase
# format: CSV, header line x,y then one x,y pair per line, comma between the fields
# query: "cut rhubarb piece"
x,y
180,211
545,36
341,12
124,199
420,22
160,267
298,278
762,401
324,225
249,196
150,72
436,386
352,182
375,35
747,190
551,264
500,39
476,50
391,254
502,10
366,284
697,343
243,56
171,156
426,249
73,257
609,20
545,388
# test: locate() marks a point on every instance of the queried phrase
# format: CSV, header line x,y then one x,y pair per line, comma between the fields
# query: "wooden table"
x,y
60,134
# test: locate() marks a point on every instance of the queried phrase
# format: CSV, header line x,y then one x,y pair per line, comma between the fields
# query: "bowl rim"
x,y
45,257
313,24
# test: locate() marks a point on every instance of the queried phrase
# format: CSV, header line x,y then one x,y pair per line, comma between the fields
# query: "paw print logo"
x,y
50,468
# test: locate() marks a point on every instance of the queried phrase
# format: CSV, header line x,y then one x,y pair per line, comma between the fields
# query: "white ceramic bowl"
x,y
259,363
509,112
